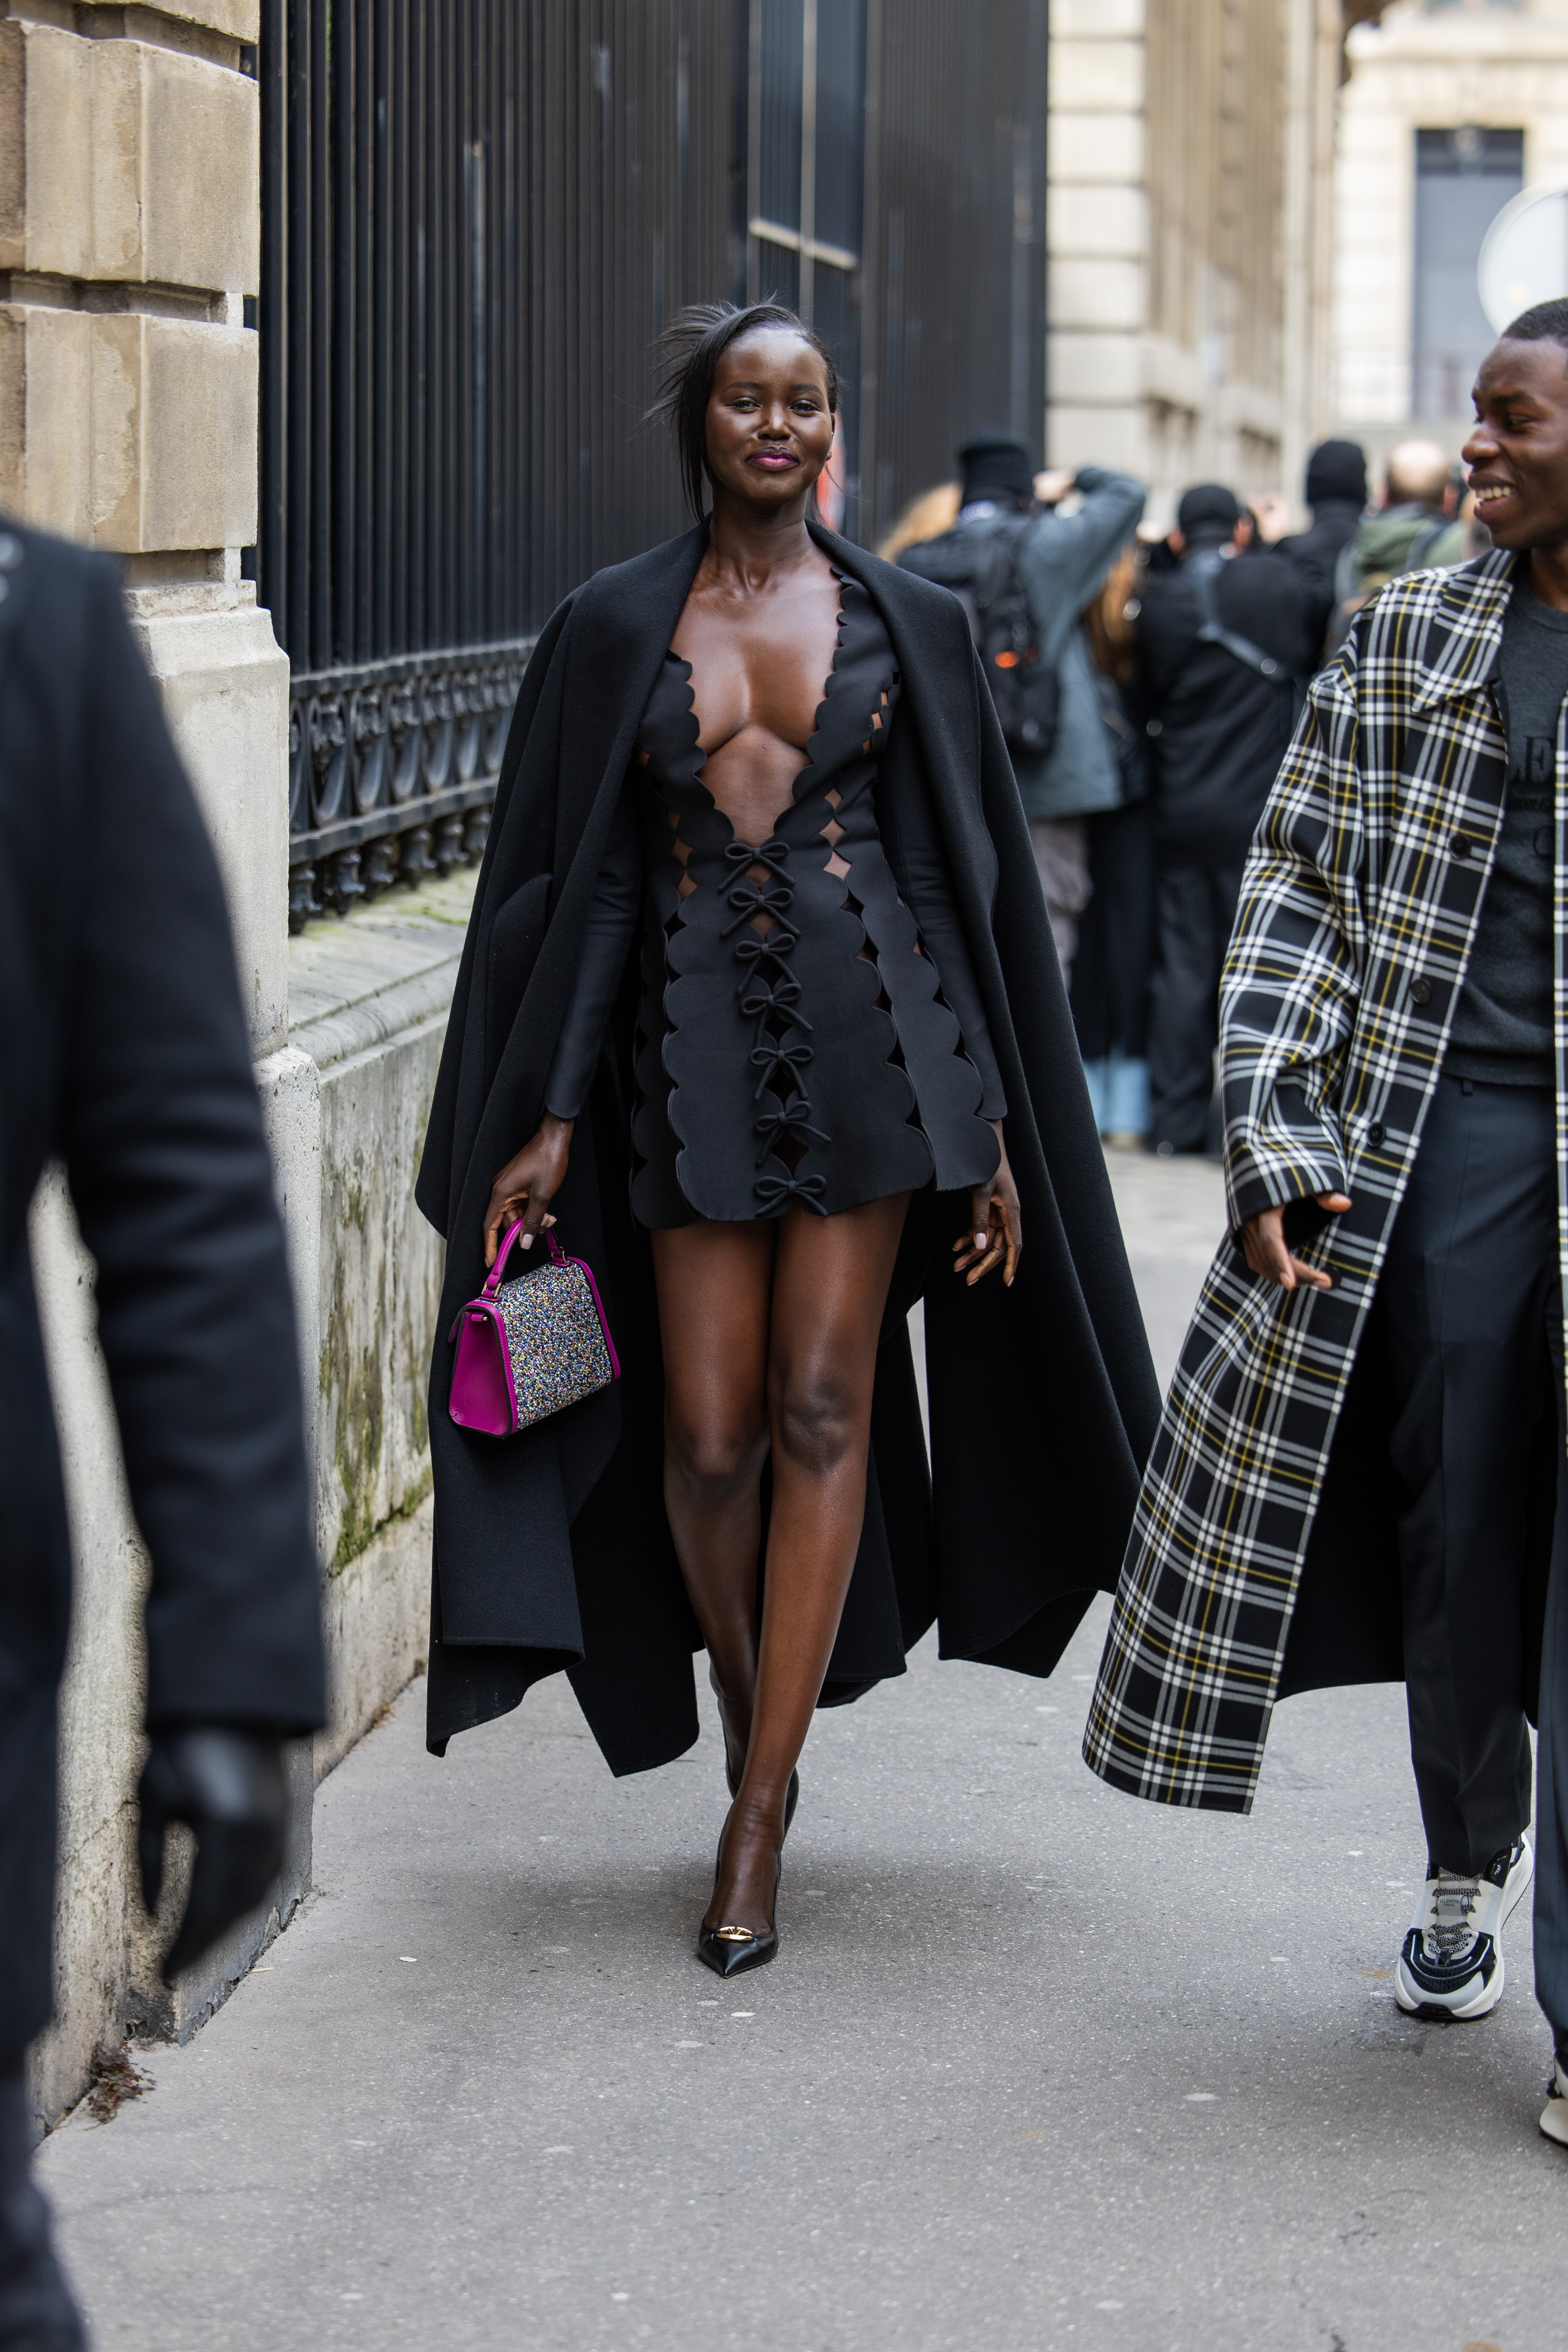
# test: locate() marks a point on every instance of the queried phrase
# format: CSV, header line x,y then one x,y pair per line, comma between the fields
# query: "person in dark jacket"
x,y
125,1058
1225,649
1336,493
1110,993
1061,562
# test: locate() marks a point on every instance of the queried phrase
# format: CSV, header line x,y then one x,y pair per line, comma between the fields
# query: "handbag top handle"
x,y
492,1280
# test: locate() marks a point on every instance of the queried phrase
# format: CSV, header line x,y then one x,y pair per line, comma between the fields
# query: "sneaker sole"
x,y
1554,2121
1415,2003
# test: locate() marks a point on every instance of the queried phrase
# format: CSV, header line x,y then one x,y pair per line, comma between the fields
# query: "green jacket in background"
x,y
1401,539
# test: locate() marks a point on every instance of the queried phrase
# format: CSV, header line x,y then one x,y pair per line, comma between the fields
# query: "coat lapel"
x,y
1460,646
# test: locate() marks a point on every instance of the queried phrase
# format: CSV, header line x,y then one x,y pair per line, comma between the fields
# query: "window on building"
x,y
1463,179
807,172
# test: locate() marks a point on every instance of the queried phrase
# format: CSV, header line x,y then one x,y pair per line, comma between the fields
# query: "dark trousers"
x,y
1195,909
1110,993
37,2314
1472,1303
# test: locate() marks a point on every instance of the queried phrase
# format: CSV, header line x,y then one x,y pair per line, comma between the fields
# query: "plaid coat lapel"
x,y
1349,953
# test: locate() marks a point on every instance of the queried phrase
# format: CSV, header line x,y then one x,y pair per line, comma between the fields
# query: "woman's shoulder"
x,y
616,588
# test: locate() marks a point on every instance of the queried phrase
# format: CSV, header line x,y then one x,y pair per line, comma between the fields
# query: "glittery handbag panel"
x,y
531,1347
554,1337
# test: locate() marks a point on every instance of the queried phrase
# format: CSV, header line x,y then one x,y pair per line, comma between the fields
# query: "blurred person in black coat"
x,y
1220,697
1336,494
125,1058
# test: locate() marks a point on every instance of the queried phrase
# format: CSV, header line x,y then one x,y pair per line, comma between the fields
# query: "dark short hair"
x,y
689,353
1544,322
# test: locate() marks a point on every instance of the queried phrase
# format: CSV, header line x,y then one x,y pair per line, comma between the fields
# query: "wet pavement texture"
x,y
1038,2066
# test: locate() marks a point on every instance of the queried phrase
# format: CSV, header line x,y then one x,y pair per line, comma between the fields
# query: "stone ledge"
x,y
381,971
214,28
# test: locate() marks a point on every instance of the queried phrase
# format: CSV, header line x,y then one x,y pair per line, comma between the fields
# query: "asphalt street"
x,y
1038,2066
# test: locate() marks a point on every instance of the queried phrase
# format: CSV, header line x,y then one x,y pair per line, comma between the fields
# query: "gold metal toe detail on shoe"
x,y
736,1935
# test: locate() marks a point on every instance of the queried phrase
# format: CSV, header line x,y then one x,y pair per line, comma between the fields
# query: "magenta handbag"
x,y
527,1348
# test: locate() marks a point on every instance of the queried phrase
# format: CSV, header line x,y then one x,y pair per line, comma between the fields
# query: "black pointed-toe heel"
x,y
731,1951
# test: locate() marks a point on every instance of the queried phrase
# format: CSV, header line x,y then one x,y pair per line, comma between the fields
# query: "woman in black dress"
x,y
796,1055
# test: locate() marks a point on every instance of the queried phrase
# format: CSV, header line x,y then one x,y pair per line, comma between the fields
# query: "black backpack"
x,y
981,568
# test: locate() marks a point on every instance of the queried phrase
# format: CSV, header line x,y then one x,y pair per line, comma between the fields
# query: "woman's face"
x,y
770,428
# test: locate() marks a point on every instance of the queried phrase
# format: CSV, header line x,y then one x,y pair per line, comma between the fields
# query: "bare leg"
x,y
829,1290
715,1284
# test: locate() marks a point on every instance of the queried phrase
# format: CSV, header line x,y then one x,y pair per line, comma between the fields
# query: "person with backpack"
x,y
1027,574
1225,649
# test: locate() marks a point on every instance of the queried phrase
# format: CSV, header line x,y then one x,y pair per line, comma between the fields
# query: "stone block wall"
x,y
130,236
368,1002
1188,241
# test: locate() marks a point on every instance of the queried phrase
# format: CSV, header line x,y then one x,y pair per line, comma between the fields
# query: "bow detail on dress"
x,y
767,1055
773,1192
773,1124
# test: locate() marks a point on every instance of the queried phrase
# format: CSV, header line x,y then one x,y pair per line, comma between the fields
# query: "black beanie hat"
x,y
1337,469
995,461
1208,508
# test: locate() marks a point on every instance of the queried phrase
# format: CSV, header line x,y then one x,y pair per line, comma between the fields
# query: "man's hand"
x,y
228,1788
1054,484
1263,1243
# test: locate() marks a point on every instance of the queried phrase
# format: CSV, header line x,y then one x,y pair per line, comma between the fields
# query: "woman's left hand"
x,y
996,1230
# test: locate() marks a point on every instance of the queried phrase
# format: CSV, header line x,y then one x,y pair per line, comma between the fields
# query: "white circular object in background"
x,y
1525,254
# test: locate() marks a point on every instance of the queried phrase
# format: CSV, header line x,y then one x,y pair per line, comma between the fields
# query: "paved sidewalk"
x,y
1038,2067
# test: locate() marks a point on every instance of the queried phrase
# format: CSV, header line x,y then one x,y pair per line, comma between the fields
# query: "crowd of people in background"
x,y
1177,675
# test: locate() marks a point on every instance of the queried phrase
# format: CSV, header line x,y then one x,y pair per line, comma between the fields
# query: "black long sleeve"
x,y
611,928
942,930
162,1139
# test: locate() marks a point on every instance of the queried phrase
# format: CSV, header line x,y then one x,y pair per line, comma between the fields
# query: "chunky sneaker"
x,y
1450,1964
1554,2114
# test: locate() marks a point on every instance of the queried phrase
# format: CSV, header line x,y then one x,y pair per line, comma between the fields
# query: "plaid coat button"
x,y
1420,991
1458,846
1375,1133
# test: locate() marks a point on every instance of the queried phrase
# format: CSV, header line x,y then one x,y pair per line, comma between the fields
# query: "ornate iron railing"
x,y
391,771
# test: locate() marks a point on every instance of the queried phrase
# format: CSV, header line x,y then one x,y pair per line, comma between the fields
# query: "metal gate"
x,y
477,216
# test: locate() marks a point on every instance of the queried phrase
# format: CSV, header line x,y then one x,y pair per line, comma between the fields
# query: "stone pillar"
x,y
130,252
130,248
1189,158
1098,237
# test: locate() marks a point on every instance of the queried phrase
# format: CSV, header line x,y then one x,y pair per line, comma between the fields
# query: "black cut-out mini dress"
x,y
795,1040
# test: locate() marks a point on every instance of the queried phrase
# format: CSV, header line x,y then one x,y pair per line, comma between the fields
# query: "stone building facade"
x,y
1191,155
1444,102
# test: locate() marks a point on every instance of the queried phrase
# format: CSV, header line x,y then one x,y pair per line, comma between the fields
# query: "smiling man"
x,y
1361,1473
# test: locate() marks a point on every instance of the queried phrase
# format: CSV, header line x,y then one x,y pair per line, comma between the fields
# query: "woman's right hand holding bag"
x,y
528,1183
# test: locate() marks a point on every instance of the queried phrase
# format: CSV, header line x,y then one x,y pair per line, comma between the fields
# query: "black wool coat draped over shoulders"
x,y
551,1548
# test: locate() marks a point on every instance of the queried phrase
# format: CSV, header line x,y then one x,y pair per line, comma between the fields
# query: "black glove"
x,y
228,1788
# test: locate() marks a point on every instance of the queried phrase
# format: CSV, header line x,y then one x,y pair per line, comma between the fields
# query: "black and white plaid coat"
x,y
1357,911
